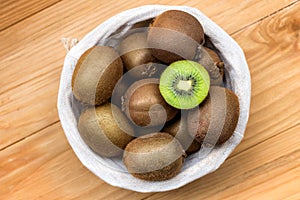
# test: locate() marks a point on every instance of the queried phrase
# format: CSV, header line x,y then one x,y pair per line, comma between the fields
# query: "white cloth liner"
x,y
113,171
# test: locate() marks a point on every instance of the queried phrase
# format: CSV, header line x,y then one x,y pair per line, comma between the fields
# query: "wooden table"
x,y
36,161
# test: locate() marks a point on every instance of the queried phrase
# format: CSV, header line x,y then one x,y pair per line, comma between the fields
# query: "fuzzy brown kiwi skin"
x,y
142,24
139,99
179,26
134,50
159,151
210,60
145,71
95,75
100,130
216,59
178,129
148,70
205,115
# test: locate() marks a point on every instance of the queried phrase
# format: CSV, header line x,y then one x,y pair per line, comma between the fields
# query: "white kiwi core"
x,y
185,85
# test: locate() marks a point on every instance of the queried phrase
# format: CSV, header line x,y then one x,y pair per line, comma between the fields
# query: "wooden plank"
x,y
21,117
28,108
43,166
285,184
233,15
265,165
269,170
272,48
24,44
12,12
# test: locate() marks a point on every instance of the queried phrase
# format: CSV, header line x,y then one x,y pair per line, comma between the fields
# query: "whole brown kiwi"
x,y
145,106
213,55
149,70
175,35
179,130
101,131
134,50
210,60
216,118
145,71
95,75
154,157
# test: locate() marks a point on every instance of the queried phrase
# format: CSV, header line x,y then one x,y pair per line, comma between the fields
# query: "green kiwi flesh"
x,y
218,114
101,131
95,75
154,157
184,84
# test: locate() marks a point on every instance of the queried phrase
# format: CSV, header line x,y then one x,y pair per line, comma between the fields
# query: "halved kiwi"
x,y
184,84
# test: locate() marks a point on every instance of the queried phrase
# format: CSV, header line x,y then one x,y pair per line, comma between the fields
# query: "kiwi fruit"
x,y
121,87
149,70
184,84
134,50
213,55
216,118
210,60
145,71
154,157
141,24
175,35
179,130
145,106
95,75
101,131
78,107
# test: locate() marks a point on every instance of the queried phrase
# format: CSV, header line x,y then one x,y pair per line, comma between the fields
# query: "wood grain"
x,y
45,167
46,160
38,52
65,19
21,117
272,49
253,174
36,161
12,12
